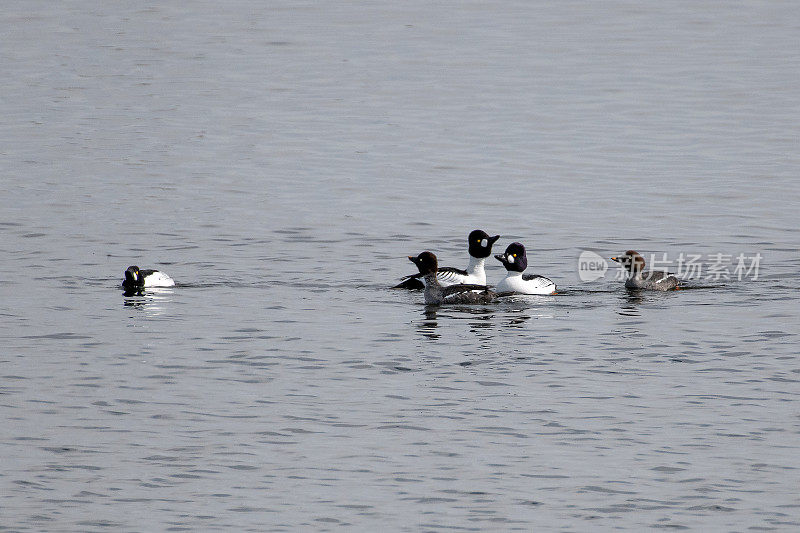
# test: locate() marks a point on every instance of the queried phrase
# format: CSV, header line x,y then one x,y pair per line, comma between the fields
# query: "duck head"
x,y
480,243
132,275
426,262
631,261
514,258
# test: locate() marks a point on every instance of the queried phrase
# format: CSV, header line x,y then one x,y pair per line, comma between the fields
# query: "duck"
x,y
515,260
437,294
137,279
634,263
479,247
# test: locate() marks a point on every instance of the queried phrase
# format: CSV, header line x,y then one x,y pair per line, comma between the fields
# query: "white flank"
x,y
158,279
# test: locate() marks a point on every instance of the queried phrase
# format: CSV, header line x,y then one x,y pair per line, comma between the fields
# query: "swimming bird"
x,y
436,294
136,279
634,263
479,248
516,261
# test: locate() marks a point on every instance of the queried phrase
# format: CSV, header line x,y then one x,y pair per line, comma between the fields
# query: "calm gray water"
x,y
281,159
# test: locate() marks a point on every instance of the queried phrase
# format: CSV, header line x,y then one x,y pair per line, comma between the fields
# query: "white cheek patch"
x,y
510,258
485,243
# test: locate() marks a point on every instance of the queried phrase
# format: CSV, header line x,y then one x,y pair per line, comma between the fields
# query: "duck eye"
x,y
515,255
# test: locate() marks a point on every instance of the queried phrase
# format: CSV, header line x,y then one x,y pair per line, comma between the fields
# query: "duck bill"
x,y
502,258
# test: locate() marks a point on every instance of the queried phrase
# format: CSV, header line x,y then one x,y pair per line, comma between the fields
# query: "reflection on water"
x,y
629,302
428,325
151,301
519,320
511,313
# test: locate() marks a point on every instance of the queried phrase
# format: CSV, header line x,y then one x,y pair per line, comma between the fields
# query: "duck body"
x,y
138,279
638,279
520,283
656,281
437,294
515,259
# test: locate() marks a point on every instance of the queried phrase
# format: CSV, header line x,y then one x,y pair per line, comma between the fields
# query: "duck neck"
x,y
635,274
433,289
476,266
431,280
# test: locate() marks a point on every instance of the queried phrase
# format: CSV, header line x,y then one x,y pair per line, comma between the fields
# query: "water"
x,y
280,162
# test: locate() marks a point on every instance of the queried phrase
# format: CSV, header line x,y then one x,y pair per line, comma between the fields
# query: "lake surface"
x,y
280,160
